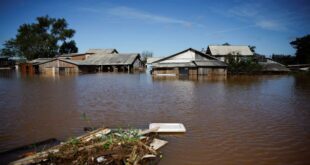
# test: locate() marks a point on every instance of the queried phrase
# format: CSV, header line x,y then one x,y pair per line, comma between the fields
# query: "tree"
x,y
284,59
145,55
302,46
9,49
237,65
68,47
40,39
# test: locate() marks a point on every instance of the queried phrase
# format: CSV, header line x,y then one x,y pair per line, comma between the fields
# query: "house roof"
x,y
102,51
152,59
273,66
73,54
189,49
111,59
39,61
230,49
209,61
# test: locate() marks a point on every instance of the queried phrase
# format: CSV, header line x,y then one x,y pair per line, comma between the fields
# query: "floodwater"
x,y
230,121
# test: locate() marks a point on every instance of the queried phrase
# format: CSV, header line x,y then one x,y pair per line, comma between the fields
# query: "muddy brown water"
x,y
234,120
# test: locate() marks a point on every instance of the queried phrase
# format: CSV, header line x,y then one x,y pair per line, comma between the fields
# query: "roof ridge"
x,y
229,45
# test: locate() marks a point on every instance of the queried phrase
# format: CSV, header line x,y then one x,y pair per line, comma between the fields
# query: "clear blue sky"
x,y
168,26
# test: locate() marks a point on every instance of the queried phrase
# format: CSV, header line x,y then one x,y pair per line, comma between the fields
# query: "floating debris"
x,y
168,127
103,146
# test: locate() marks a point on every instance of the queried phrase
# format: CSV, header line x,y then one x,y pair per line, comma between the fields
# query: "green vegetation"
x,y
284,59
120,137
302,46
302,55
74,141
238,65
41,39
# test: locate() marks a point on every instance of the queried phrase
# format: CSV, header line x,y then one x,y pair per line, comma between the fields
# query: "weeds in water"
x,y
74,141
88,120
120,137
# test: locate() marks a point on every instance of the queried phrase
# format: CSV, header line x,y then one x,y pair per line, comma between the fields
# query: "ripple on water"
x,y
238,120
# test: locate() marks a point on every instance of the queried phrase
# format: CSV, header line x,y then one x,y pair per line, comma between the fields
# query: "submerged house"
x,y
93,60
270,66
189,62
150,60
53,65
111,63
223,52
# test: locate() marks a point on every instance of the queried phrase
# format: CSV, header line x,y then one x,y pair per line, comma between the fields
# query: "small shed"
x,y
189,62
222,52
54,65
112,62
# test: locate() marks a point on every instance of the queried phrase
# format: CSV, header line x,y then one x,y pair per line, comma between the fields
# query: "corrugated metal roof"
x,y
73,54
189,49
206,61
152,59
76,62
110,59
273,66
102,51
41,60
230,49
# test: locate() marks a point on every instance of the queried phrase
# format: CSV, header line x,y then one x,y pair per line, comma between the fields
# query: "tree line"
x,y
45,38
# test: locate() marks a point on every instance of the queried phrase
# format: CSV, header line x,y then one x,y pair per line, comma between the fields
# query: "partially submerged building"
x,y
53,65
270,66
111,63
224,52
150,60
189,62
93,60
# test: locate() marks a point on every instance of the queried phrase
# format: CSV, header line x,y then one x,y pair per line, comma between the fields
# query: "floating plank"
x,y
168,127
154,129
157,143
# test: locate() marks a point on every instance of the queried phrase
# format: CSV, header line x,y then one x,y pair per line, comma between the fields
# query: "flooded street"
x,y
232,121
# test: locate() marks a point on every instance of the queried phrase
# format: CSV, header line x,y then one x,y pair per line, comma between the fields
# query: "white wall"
x,y
187,56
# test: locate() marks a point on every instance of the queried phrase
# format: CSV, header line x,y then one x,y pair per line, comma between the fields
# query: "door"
x,y
183,71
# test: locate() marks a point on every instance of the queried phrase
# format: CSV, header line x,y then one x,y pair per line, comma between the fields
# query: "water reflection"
x,y
189,78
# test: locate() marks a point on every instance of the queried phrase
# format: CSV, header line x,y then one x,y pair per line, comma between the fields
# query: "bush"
x,y
238,65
